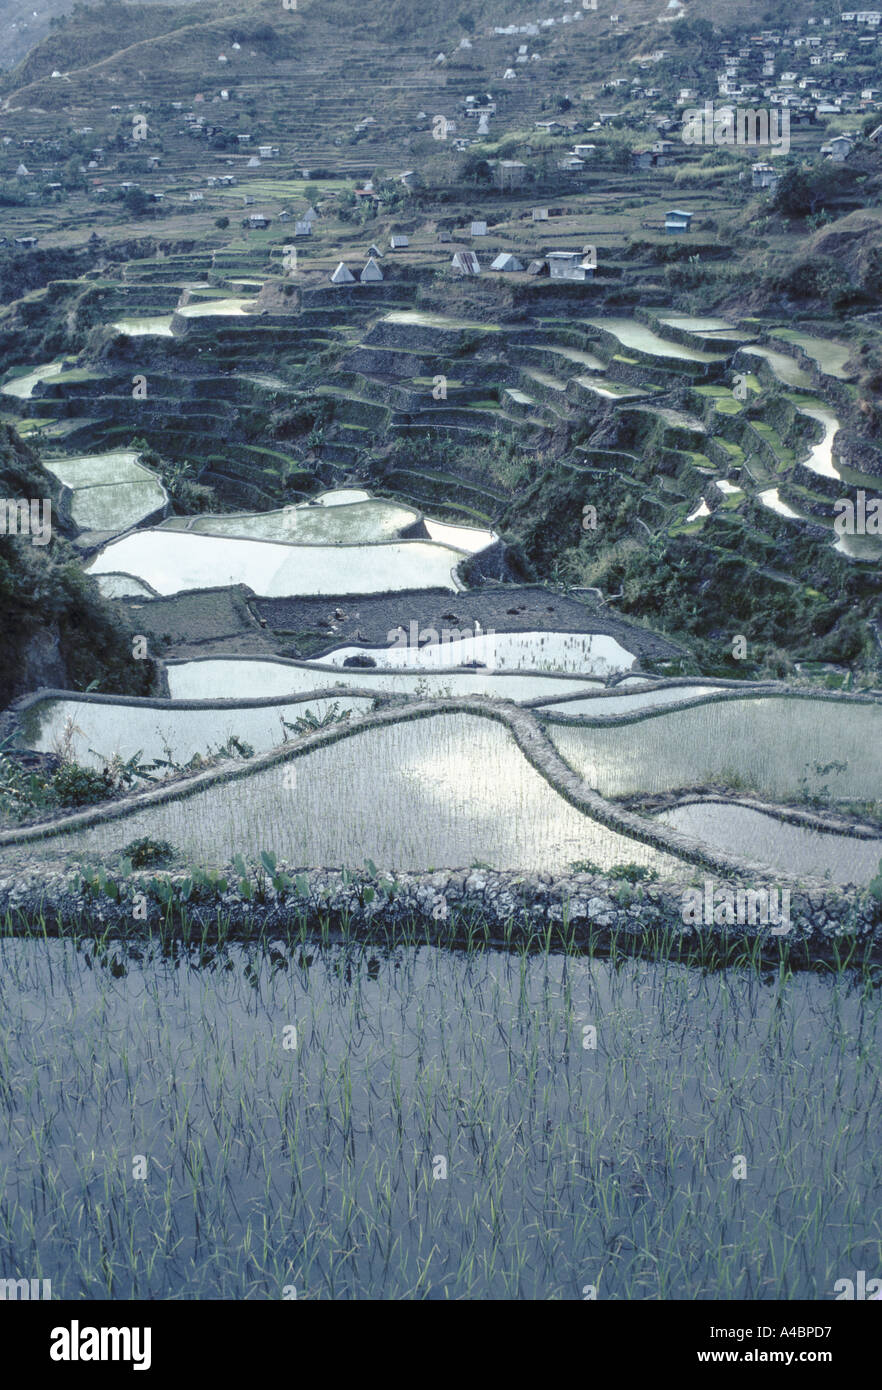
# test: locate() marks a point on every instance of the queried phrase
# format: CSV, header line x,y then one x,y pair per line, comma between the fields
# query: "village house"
x,y
763,176
303,229
342,275
371,272
257,220
511,173
505,261
398,243
465,263
677,221
569,265
478,229
839,148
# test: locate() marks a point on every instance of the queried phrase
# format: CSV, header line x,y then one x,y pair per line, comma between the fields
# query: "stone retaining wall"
x,y
448,907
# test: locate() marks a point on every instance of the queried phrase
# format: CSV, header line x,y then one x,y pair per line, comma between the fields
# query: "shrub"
x,y
632,873
80,786
145,851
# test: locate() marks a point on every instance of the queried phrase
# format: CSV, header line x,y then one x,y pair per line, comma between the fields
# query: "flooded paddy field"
x,y
173,561
315,1119
794,849
778,746
437,792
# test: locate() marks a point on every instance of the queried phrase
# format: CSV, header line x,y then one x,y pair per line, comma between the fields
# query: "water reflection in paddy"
x,y
763,839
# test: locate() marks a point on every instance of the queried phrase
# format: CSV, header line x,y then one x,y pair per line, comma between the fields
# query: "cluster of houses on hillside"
x,y
804,68
572,266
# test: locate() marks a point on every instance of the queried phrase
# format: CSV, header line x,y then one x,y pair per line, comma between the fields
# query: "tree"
x,y
694,31
802,191
72,174
474,170
137,202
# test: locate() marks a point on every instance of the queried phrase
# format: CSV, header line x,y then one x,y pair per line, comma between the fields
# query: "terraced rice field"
x,y
628,703
785,368
23,385
151,325
355,523
98,732
244,679
174,561
635,335
792,849
110,492
774,745
438,792
591,654
564,1167
408,1054
830,356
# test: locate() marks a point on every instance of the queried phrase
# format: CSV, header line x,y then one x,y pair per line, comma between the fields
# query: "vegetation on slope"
x,y
55,628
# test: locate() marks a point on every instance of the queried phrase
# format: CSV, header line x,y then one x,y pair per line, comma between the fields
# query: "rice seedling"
x,y
439,791
188,1118
773,742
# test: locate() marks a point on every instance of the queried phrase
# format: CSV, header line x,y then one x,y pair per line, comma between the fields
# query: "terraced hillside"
x,y
441,585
